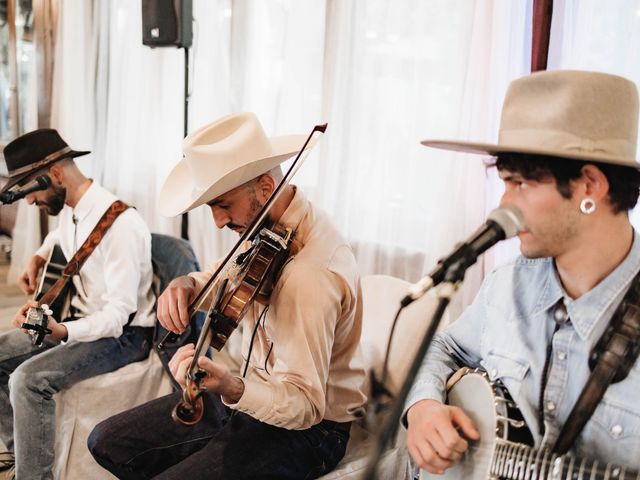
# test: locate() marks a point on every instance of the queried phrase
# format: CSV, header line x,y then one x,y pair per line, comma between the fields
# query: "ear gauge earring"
x,y
587,206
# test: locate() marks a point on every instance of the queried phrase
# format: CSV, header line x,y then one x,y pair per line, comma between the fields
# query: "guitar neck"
x,y
512,461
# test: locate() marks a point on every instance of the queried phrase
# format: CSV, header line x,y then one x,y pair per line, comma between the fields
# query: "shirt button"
x,y
551,406
562,355
616,430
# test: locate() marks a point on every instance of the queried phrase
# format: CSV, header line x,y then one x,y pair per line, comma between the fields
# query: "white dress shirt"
x,y
116,278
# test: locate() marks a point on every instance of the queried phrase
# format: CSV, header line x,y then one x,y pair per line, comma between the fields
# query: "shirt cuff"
x,y
200,278
43,251
76,329
256,400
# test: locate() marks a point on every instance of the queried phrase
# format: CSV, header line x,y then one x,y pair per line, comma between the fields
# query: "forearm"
x,y
436,368
279,403
59,331
233,391
107,322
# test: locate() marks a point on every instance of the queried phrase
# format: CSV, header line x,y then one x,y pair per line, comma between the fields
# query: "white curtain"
x,y
589,35
261,56
25,240
383,74
396,74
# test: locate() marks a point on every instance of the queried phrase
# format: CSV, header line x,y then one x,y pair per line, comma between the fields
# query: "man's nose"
x,y
220,217
31,199
506,198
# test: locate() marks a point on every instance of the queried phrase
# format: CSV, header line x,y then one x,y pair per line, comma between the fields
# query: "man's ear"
x,y
266,185
593,184
56,173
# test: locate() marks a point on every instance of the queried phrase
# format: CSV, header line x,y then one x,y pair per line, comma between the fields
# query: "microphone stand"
x,y
445,290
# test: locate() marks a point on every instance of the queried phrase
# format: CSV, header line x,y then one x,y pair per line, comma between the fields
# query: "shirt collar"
x,y
589,310
295,212
86,203
552,291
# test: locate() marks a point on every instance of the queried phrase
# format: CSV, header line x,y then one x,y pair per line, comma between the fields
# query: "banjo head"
x,y
474,394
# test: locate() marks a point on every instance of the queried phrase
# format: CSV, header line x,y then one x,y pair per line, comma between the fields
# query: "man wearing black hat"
x,y
112,303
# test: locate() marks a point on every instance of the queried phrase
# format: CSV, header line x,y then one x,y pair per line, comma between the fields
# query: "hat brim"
x,y
179,194
17,179
494,149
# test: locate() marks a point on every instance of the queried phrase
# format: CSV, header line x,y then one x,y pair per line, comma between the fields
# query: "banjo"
x,y
502,451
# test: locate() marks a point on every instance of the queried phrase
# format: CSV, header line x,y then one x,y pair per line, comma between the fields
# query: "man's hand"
x,y
21,315
29,278
180,362
58,330
432,440
174,302
218,379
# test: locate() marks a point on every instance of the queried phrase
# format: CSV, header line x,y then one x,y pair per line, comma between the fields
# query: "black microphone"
x,y
504,222
41,182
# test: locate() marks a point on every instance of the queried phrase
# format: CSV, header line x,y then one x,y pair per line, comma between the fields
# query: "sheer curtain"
x,y
586,36
266,57
383,74
27,238
395,75
120,99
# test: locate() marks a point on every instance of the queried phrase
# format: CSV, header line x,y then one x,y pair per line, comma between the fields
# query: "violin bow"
x,y
205,340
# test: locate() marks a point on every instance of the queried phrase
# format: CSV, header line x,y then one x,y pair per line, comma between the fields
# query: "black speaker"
x,y
167,23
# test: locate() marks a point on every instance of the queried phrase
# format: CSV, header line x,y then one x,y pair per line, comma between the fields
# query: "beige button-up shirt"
x,y
306,364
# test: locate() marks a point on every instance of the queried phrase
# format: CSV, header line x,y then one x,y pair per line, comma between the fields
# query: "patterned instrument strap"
x,y
86,249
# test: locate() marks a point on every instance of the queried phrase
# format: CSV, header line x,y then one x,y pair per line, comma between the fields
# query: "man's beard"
x,y
55,202
254,209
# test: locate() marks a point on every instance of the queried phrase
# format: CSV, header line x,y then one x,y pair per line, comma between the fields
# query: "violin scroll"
x,y
190,409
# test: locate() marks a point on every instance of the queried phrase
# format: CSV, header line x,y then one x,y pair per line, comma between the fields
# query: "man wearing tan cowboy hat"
x,y
567,155
112,306
288,415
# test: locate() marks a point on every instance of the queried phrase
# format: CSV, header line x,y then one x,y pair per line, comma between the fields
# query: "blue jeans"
x,y
30,376
145,443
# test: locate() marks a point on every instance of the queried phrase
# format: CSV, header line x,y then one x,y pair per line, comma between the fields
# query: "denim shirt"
x,y
506,331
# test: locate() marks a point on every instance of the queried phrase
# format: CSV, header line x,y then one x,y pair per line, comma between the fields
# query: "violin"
x,y
240,279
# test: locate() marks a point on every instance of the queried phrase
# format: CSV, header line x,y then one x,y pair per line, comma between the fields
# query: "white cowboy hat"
x,y
564,113
220,157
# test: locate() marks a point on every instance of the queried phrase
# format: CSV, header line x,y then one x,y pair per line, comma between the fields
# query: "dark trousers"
x,y
144,442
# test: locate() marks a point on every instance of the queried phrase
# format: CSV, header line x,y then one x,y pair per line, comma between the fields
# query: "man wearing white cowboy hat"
x,y
288,415
112,304
567,155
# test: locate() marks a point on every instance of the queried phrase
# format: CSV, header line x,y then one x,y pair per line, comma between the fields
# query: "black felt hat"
x,y
33,151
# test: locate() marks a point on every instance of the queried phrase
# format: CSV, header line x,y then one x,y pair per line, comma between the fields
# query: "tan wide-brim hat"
x,y
220,157
564,113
